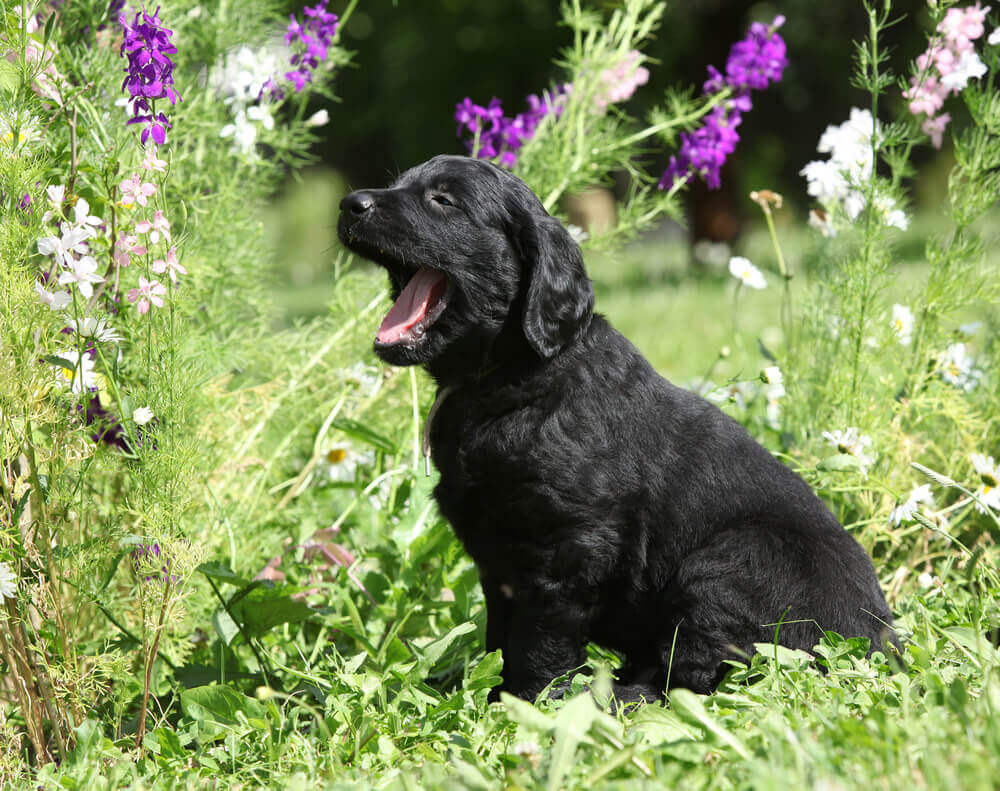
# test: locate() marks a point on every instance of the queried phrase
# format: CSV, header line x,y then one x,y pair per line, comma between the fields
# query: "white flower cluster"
x,y
743,392
242,79
838,182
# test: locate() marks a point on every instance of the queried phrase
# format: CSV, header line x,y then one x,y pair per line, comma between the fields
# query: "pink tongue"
x,y
423,291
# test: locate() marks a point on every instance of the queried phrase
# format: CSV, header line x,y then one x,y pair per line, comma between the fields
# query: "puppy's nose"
x,y
358,203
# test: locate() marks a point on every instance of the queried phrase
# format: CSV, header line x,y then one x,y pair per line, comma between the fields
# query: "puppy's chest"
x,y
495,469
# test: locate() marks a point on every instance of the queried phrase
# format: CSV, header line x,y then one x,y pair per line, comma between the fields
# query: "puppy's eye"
x,y
441,199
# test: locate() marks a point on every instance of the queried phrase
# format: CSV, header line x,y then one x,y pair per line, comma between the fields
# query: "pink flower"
x,y
135,191
620,82
151,162
963,25
934,128
148,291
171,266
926,97
125,247
155,227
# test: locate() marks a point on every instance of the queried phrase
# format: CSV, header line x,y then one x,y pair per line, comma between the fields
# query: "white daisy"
x,y
904,511
368,378
79,373
98,329
735,392
772,375
902,323
989,477
852,443
746,273
956,367
994,37
342,463
8,582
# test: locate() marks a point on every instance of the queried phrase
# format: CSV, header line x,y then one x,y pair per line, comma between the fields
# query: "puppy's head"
x,y
471,254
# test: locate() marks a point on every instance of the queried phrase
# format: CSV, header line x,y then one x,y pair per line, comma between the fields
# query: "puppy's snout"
x,y
358,203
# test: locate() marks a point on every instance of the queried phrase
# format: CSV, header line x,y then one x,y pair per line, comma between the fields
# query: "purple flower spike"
x,y
312,40
753,64
149,75
500,136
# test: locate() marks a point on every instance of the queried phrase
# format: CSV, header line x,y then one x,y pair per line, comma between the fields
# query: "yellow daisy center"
x,y
336,455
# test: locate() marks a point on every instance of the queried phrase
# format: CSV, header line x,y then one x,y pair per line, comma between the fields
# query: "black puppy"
x,y
599,502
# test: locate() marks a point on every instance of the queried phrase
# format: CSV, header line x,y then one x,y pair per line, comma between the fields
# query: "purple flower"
x,y
312,39
759,59
499,136
104,426
149,75
753,64
146,554
25,204
704,151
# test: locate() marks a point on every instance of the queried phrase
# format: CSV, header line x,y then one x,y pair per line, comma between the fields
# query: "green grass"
x,y
384,685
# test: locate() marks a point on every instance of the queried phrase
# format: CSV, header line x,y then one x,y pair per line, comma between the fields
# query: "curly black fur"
x,y
599,501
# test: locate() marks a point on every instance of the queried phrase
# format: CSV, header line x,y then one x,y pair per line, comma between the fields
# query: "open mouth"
x,y
418,305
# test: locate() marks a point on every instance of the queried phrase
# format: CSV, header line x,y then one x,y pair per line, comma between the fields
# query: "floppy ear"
x,y
560,298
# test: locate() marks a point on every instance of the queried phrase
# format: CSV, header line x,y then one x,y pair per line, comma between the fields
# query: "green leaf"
x,y
486,674
523,713
363,433
220,705
50,24
691,708
19,508
165,743
8,77
225,626
61,362
218,571
839,462
433,652
765,351
572,724
264,608
786,657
